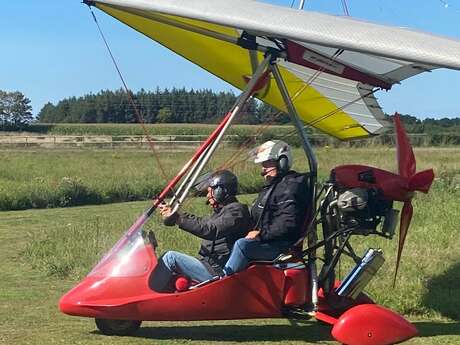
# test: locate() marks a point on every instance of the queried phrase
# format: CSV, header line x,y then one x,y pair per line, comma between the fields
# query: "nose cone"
x,y
370,324
68,306
73,302
106,297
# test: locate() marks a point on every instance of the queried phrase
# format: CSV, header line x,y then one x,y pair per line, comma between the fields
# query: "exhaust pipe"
x,y
361,275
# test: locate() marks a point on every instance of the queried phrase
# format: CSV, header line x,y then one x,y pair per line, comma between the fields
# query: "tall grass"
x,y
71,247
46,179
152,129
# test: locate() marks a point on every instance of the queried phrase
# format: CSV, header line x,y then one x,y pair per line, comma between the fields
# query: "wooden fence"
x,y
185,142
103,141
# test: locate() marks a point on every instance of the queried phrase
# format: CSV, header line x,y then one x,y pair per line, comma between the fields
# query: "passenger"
x,y
278,213
229,221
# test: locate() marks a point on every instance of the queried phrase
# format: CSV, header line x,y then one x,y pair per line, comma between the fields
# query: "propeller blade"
x,y
404,153
422,181
406,217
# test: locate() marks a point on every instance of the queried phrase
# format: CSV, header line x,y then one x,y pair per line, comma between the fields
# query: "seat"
x,y
295,253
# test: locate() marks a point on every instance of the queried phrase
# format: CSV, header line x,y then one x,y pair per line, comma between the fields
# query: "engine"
x,y
361,204
364,209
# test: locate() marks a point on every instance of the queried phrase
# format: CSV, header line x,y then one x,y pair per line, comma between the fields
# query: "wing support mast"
x,y
313,164
192,169
258,77
267,65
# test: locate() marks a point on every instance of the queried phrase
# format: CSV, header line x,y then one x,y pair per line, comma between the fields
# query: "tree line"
x,y
188,106
165,106
159,106
431,125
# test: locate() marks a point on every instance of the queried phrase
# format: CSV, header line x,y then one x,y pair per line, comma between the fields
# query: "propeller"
x,y
420,182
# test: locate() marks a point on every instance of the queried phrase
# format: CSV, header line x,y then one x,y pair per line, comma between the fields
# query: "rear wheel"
x,y
117,327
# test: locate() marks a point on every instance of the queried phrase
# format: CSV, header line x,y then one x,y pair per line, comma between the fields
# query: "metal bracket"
x,y
247,41
88,2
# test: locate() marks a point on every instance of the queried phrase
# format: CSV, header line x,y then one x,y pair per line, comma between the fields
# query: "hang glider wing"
x,y
331,65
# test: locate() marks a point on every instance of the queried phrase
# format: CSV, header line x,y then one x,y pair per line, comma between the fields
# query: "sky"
x,y
50,50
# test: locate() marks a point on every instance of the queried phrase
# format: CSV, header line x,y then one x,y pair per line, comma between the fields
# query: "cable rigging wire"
x,y
447,4
345,8
129,94
232,161
444,3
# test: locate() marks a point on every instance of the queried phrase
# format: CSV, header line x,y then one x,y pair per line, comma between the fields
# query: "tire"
x,y
117,327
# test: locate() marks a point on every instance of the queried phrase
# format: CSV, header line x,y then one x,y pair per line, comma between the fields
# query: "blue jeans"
x,y
246,250
177,263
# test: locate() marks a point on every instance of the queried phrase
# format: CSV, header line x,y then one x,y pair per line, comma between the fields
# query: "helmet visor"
x,y
203,182
263,152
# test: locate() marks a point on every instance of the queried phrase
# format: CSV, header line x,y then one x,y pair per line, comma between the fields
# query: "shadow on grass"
x,y
444,293
311,332
432,329
298,331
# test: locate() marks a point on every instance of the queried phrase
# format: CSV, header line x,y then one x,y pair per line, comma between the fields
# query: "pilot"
x,y
229,221
279,212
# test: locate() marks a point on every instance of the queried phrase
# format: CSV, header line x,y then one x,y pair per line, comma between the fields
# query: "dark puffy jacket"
x,y
218,231
280,210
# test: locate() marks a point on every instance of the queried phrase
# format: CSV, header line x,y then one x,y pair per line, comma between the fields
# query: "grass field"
x,y
50,178
29,294
44,253
115,129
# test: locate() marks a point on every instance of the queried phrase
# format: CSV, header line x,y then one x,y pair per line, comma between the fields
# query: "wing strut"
x,y
258,77
191,170
312,162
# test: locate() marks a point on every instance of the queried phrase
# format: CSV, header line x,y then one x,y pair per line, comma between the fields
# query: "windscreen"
x,y
132,256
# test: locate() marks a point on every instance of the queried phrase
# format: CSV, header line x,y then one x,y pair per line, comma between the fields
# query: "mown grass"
x,y
45,252
60,246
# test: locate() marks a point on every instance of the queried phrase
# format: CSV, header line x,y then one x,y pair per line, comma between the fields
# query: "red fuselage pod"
x,y
254,293
371,324
393,186
296,286
119,287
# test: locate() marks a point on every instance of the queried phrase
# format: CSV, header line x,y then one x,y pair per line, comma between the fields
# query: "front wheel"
x,y
117,327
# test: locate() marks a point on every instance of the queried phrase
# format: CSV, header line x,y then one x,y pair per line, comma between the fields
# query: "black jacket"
x,y
218,231
280,210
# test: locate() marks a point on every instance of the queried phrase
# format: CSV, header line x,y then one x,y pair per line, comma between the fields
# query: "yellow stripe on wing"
x,y
231,63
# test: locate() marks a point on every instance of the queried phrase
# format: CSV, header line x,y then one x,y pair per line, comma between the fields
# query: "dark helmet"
x,y
223,182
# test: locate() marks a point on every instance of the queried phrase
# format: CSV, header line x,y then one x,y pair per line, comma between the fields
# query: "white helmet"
x,y
276,150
